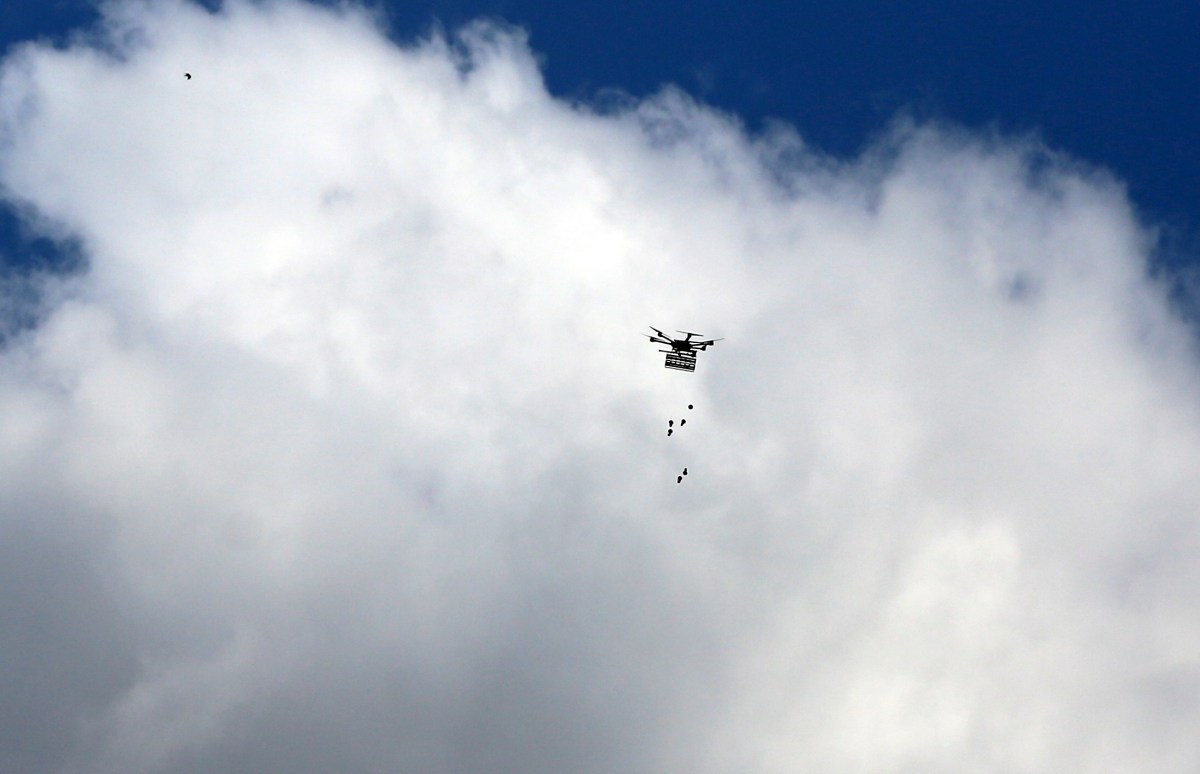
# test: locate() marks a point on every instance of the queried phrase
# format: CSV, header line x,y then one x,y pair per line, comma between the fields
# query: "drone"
x,y
682,353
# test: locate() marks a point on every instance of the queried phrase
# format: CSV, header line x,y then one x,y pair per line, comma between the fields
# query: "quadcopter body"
x,y
682,353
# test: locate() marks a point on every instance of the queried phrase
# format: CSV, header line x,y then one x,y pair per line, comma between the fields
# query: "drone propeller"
x,y
663,338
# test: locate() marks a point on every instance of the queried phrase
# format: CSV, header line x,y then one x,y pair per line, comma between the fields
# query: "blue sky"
x,y
1113,84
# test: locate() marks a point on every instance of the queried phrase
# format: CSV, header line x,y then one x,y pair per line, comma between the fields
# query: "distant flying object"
x,y
682,354
188,76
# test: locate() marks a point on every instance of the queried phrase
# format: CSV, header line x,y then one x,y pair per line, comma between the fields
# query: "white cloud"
x,y
344,453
